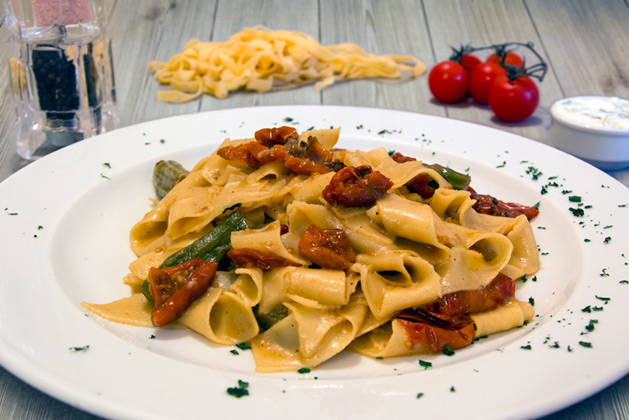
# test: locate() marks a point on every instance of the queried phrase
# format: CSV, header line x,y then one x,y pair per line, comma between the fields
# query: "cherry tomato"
x,y
513,100
511,58
448,81
469,61
481,79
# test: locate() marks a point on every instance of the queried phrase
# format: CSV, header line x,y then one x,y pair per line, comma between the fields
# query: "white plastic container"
x,y
593,128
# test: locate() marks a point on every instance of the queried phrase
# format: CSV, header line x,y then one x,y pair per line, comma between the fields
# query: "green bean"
x,y
266,321
458,180
166,174
214,245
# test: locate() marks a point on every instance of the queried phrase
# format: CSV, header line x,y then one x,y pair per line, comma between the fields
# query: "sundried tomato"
x,y
303,166
422,184
328,248
276,153
356,187
445,321
456,335
472,301
245,153
400,158
275,135
486,204
253,258
175,288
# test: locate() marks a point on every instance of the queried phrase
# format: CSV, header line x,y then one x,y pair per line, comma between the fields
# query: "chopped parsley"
x,y
578,212
452,389
419,395
243,346
588,309
534,172
425,364
234,352
575,199
604,299
585,344
527,347
448,351
240,390
303,370
107,165
77,349
590,327
607,240
532,301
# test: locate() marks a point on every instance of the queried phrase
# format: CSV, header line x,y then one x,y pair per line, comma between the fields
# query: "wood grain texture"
x,y
392,27
153,31
586,44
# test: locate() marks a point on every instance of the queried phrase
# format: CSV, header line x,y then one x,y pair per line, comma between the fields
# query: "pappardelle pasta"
x,y
302,251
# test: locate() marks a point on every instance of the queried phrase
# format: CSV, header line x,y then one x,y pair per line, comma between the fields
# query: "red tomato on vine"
x,y
481,79
448,81
510,58
469,61
513,100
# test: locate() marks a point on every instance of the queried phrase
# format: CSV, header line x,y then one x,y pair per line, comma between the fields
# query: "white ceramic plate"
x,y
65,221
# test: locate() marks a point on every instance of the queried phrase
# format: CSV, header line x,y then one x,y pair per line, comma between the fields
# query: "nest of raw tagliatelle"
x,y
260,59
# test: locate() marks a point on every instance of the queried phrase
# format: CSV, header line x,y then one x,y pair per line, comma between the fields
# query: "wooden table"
x,y
585,43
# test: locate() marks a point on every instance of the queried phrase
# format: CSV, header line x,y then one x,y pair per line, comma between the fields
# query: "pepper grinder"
x,y
61,70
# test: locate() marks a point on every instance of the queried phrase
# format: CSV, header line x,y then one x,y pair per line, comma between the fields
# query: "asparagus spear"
x,y
166,174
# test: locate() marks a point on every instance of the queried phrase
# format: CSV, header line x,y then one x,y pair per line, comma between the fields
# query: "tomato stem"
x,y
537,70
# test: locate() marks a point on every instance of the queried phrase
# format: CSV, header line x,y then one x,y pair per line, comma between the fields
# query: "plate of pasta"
x,y
326,262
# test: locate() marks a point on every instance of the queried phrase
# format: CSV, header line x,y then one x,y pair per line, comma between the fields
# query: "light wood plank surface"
x,y
586,44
